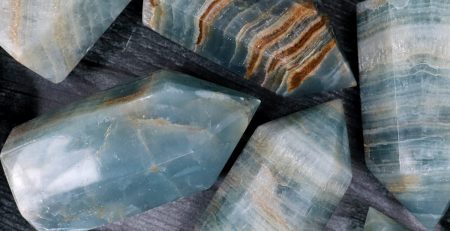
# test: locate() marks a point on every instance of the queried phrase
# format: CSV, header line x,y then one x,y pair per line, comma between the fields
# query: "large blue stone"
x,y
50,37
404,49
123,151
285,46
290,176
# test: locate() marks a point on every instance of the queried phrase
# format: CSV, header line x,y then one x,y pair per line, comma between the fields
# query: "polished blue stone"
x,y
404,54
50,37
285,46
123,151
290,176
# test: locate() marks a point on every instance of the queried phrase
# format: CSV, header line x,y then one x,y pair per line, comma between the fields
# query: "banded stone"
x,y
376,221
404,49
286,46
290,176
50,37
123,151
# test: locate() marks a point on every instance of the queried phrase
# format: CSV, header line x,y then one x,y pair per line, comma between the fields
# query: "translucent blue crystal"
x,y
50,37
404,49
290,176
285,46
376,221
124,151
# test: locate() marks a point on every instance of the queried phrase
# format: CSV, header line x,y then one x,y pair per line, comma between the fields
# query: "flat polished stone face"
x,y
376,221
291,175
124,151
285,46
404,49
50,37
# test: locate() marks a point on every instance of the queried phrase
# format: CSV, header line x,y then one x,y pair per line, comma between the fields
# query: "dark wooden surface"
x,y
129,50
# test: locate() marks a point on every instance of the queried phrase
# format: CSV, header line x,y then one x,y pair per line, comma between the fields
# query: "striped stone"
x,y
286,46
404,49
50,37
290,176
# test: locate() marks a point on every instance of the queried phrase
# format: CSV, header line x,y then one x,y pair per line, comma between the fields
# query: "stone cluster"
x,y
137,146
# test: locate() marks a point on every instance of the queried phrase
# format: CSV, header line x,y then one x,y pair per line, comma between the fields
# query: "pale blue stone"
x,y
376,221
50,37
124,151
285,46
290,176
404,53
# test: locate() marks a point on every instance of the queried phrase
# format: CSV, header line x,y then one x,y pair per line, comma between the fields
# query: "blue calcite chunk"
x,y
50,37
404,49
377,221
291,175
124,151
285,46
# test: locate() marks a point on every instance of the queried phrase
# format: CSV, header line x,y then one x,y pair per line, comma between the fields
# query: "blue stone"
x,y
376,221
123,151
290,176
404,49
285,46
50,37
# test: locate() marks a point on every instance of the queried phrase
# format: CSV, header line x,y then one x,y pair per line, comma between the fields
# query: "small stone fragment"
x,y
290,176
377,221
123,151
50,37
285,46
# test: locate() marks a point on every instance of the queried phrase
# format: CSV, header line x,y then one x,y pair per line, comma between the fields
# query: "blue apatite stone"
x,y
404,49
124,151
285,46
376,221
290,176
50,37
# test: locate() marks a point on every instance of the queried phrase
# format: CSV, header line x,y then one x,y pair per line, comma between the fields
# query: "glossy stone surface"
x,y
285,46
50,37
377,221
404,49
291,175
124,151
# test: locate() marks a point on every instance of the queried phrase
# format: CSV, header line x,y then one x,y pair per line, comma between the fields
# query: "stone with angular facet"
x,y
291,175
285,46
124,151
50,37
376,221
404,49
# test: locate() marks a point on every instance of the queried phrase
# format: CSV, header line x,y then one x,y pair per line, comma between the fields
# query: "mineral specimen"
x,y
404,49
50,37
285,45
290,176
377,221
123,151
